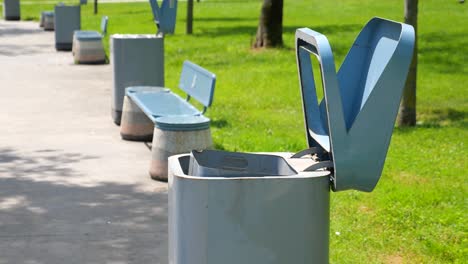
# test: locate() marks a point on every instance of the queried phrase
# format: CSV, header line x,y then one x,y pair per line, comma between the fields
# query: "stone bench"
x,y
87,45
47,20
173,124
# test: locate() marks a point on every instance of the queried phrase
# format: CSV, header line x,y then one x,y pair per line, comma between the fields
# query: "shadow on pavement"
x,y
48,217
6,29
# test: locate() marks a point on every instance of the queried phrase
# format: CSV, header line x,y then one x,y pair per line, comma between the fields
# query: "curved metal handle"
x,y
318,121
372,78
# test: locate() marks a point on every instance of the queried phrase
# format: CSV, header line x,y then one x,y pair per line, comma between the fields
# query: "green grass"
x,y
417,213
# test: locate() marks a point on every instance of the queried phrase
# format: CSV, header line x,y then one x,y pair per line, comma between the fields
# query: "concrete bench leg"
x,y
168,143
88,52
48,23
135,125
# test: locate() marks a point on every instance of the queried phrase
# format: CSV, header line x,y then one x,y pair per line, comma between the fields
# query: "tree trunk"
x,y
407,111
189,28
95,7
270,26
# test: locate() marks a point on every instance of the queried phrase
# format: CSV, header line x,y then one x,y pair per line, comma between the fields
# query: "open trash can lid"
x,y
354,121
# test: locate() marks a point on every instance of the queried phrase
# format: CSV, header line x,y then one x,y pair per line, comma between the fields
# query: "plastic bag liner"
x,y
215,163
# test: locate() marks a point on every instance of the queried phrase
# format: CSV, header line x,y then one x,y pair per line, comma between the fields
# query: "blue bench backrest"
x,y
354,121
197,83
104,22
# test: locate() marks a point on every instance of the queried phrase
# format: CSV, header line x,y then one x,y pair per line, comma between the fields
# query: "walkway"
x,y
71,191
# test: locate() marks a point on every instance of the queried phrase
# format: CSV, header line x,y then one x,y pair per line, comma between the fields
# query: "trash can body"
x,y
251,219
11,10
137,60
67,20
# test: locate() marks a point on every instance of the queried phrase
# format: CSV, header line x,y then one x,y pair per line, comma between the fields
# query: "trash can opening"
x,y
214,163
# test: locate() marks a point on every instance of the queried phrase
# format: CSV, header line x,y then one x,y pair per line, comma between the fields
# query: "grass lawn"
x,y
418,212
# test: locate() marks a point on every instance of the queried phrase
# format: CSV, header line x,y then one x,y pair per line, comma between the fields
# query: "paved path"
x,y
70,190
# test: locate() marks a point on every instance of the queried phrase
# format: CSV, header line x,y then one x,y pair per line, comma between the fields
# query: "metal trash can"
x,y
137,60
67,20
11,10
227,207
246,208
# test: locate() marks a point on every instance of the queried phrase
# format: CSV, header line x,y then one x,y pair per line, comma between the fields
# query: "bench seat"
x,y
158,103
88,35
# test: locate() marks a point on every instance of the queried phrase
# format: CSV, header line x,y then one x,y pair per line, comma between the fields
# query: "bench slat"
x,y
162,104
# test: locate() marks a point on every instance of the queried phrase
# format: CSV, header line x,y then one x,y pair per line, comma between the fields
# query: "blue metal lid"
x,y
354,121
182,122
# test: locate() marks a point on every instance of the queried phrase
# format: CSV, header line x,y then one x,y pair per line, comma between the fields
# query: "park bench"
x,y
87,44
172,123
47,20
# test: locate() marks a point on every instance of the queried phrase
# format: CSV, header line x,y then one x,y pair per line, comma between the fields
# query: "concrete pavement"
x,y
71,191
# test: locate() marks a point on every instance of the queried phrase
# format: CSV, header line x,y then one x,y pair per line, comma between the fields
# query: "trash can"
x,y
137,60
11,10
67,20
235,208
228,207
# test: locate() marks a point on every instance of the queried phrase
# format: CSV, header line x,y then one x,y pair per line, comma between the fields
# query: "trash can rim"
x,y
176,168
135,36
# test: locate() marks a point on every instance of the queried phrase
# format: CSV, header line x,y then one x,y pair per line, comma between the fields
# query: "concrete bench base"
x,y
135,125
169,143
47,20
89,52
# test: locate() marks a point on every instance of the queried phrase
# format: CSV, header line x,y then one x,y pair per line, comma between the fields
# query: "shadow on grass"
x,y
219,123
221,19
227,31
439,118
444,117
219,146
48,216
445,52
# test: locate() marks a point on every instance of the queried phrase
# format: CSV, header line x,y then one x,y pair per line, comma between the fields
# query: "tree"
x,y
189,28
95,7
407,111
270,26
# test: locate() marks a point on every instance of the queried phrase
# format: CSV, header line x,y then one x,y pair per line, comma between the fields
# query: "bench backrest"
x,y
197,83
104,22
